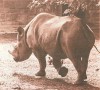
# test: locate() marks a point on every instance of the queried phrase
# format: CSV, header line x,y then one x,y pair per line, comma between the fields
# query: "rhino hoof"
x,y
63,71
40,73
79,82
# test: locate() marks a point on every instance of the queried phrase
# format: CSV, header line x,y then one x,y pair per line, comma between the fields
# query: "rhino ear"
x,y
20,31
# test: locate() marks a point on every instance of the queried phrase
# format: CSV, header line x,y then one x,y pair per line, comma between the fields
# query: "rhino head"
x,y
21,51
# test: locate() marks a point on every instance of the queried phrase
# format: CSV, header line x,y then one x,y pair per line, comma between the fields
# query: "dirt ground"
x,y
20,76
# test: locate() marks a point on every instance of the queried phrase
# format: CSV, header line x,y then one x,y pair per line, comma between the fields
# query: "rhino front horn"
x,y
10,52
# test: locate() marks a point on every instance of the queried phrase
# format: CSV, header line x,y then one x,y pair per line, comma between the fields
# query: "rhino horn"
x,y
13,45
10,52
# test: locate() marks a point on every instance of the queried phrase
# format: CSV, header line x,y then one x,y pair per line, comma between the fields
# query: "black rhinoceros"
x,y
60,37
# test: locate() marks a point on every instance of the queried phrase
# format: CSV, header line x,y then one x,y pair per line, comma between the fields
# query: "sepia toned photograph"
x,y
49,44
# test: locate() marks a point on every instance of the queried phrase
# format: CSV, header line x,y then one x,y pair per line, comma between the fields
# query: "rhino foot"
x,y
84,76
81,81
40,73
63,71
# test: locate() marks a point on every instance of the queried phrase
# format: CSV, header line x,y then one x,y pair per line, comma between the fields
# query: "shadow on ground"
x,y
52,84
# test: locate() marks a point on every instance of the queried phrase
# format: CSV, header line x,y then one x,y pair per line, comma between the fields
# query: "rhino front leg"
x,y
61,70
42,62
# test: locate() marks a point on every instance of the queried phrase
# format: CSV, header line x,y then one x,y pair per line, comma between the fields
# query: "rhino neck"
x,y
25,37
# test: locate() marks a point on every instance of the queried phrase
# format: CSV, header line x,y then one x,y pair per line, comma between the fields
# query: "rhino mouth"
x,y
17,59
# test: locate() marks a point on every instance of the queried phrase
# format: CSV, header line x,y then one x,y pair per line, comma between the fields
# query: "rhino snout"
x,y
14,57
10,52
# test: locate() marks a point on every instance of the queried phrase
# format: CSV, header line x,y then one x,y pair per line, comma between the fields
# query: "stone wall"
x,y
14,13
94,20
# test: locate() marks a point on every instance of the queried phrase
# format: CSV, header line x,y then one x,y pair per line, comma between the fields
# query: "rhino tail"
x,y
87,36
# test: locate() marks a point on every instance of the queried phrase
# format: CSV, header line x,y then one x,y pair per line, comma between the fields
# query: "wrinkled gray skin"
x,y
60,37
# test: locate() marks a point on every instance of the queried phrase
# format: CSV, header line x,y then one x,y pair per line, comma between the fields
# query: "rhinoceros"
x,y
59,37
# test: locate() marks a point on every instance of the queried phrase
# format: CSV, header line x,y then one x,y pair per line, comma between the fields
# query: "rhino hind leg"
x,y
85,63
80,63
63,71
40,55
58,66
76,60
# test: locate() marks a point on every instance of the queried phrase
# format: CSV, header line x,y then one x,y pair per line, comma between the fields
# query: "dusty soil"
x,y
20,76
